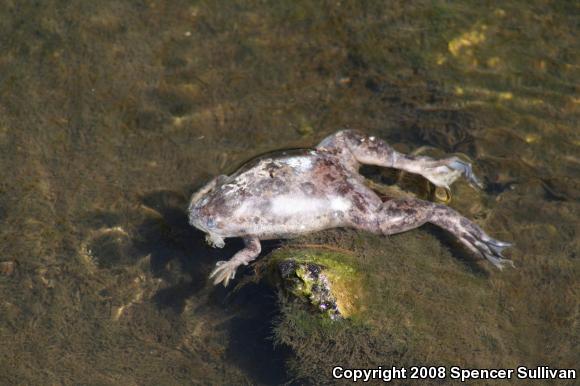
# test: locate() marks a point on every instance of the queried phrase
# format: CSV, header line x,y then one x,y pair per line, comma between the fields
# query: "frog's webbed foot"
x,y
471,235
466,171
444,172
223,272
226,270
488,248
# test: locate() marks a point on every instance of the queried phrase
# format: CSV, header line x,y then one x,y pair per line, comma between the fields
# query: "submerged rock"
x,y
327,281
307,281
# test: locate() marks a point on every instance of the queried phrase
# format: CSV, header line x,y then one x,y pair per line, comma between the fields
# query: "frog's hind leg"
x,y
440,172
374,151
401,215
226,270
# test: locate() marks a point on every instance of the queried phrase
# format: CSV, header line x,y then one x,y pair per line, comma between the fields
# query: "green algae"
x,y
329,281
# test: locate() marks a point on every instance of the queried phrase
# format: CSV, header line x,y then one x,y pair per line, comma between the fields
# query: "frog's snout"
x,y
193,215
201,219
196,215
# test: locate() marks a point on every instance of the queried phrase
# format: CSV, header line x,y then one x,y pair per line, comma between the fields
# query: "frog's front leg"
x,y
215,240
226,270
374,151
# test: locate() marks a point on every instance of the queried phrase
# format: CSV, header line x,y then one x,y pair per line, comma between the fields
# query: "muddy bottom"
x,y
112,114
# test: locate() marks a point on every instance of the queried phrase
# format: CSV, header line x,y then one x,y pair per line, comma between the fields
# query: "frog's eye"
x,y
442,195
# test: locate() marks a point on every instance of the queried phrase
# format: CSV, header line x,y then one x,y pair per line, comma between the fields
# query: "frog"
x,y
289,193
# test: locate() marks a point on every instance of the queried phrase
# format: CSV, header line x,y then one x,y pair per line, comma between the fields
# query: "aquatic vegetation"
x,y
112,113
326,280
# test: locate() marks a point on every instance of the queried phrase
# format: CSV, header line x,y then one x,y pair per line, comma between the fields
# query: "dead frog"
x,y
288,193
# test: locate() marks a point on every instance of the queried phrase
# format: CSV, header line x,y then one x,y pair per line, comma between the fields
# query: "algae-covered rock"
x,y
407,299
328,281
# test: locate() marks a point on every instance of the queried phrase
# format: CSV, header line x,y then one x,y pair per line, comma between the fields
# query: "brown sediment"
x,y
112,113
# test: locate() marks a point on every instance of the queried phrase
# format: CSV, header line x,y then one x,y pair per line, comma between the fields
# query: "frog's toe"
x,y
223,272
498,260
497,246
488,248
214,240
466,170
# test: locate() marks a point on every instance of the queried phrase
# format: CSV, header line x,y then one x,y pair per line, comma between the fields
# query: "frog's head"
x,y
204,214
197,213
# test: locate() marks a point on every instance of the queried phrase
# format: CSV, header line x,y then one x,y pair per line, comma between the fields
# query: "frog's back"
x,y
300,172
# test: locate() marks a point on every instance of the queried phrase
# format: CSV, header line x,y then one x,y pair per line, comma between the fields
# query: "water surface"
x,y
113,113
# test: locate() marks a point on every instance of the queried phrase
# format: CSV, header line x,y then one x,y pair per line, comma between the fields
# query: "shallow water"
x,y
113,113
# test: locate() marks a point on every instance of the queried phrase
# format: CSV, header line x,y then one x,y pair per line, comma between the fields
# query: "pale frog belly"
x,y
286,215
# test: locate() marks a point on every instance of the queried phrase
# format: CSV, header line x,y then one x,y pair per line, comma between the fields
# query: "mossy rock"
x,y
402,300
326,280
